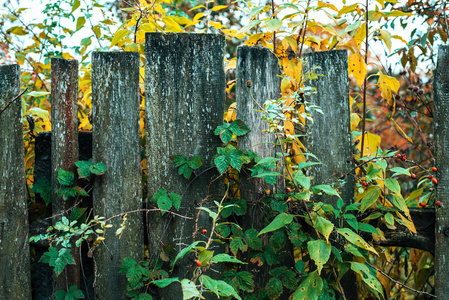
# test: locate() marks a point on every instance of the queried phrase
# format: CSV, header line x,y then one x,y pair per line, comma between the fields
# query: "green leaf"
x,y
301,179
268,162
400,171
355,239
324,226
98,168
164,203
165,282
326,189
393,185
368,276
227,290
195,162
189,289
279,221
43,187
254,242
135,272
277,240
310,288
238,243
289,279
66,192
242,280
65,177
184,252
77,213
58,259
273,24
238,128
320,252
223,257
80,23
369,199
303,164
179,160
399,202
367,228
72,294
222,163
274,288
212,214
83,168
210,284
176,200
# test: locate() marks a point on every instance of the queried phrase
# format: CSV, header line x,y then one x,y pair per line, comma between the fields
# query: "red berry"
x,y
231,177
398,155
289,190
435,181
439,203
204,231
249,83
430,177
364,183
422,204
434,169
413,175
198,263
403,157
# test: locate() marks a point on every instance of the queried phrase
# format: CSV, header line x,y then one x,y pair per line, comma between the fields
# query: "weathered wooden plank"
x,y
185,94
441,132
329,137
261,67
64,149
14,247
116,143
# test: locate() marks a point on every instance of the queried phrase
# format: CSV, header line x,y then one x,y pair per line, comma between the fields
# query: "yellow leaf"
x,y
355,120
386,85
372,143
287,41
360,35
231,64
198,16
171,25
216,25
118,36
386,37
233,33
401,132
397,37
407,223
254,39
219,7
196,7
230,116
357,67
347,9
331,6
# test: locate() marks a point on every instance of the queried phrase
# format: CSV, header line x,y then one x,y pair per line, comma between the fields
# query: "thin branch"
x,y
13,100
400,283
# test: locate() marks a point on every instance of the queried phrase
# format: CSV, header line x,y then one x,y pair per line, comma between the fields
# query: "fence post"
x,y
116,143
14,247
260,66
64,149
185,94
334,149
441,132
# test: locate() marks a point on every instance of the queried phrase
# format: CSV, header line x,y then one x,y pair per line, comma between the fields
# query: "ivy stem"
x,y
364,83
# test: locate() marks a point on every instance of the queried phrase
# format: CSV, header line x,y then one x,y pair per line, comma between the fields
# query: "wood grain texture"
x,y
116,143
329,137
64,149
185,94
14,248
441,132
260,66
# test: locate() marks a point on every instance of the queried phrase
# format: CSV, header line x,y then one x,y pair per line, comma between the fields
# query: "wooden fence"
x,y
185,96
